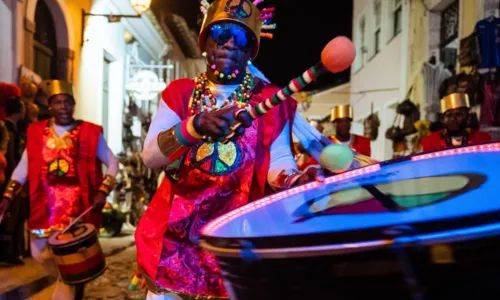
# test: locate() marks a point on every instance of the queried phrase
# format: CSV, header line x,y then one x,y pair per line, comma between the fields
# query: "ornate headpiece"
x,y
56,87
455,100
242,12
341,111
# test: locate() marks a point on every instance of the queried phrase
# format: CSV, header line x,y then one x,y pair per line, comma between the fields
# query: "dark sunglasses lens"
x,y
221,34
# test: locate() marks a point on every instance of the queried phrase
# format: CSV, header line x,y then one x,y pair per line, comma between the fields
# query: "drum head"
x,y
429,193
77,233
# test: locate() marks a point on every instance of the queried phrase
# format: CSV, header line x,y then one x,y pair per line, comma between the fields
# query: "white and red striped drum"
x,y
421,227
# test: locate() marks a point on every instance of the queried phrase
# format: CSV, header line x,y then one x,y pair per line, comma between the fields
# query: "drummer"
x,y
455,108
342,116
56,149
206,178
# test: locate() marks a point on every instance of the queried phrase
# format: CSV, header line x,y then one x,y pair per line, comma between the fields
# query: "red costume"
x,y
213,179
64,174
437,140
360,144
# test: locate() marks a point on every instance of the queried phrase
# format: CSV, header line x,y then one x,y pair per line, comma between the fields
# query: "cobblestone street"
x,y
31,282
113,284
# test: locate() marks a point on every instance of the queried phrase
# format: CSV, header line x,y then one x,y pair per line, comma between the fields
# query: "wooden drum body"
x,y
422,227
78,254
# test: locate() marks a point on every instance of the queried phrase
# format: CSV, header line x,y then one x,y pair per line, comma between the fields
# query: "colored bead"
x,y
213,67
216,73
221,75
236,72
229,77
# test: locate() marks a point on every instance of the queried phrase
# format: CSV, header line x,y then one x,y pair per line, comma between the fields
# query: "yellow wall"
x,y
74,11
469,16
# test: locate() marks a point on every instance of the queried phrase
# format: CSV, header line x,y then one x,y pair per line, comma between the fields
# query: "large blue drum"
x,y
422,227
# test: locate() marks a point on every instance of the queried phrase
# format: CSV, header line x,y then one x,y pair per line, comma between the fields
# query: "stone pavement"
x,y
113,284
30,279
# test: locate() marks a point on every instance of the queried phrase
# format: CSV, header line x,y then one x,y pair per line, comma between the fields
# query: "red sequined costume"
x,y
64,174
437,140
213,179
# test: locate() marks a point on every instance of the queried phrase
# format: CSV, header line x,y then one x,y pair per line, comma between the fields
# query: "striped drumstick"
x,y
293,86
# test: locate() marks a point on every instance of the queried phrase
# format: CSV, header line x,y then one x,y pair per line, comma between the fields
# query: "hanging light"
x,y
140,6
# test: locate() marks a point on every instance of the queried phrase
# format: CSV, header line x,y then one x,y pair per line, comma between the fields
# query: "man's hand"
x,y
4,205
312,173
216,124
99,201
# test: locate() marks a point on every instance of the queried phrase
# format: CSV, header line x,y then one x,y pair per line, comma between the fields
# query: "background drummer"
x,y
342,116
56,149
455,108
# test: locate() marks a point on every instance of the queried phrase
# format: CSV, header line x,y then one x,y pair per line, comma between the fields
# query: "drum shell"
x,y
80,260
368,274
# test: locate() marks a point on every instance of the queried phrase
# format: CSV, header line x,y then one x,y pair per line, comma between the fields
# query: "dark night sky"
x,y
304,28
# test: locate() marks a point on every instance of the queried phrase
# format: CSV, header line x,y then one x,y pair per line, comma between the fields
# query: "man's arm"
x,y
107,157
20,173
165,119
283,171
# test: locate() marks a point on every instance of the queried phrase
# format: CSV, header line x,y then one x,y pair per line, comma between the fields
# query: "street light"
x,y
140,6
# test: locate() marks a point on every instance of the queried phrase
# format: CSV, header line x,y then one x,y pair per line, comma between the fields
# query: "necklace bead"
x,y
240,97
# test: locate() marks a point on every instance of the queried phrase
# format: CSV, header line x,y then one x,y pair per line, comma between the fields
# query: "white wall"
x,y
103,40
322,102
380,79
107,40
7,34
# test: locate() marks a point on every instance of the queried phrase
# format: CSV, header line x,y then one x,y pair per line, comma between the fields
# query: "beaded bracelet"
x,y
107,184
12,189
286,180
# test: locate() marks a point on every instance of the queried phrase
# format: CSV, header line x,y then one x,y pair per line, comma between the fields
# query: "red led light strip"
x,y
211,227
470,149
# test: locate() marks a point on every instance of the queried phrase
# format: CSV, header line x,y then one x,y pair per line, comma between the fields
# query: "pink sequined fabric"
x,y
59,176
219,183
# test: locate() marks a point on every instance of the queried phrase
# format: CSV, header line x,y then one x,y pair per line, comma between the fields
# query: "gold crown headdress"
x,y
55,87
341,111
455,100
242,12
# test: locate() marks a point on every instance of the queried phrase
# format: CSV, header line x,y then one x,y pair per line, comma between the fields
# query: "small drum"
x,y
77,254
422,227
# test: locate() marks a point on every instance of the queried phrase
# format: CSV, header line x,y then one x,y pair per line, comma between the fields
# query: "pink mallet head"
x,y
338,54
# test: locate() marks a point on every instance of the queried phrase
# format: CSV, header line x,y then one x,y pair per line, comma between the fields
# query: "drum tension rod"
x,y
403,235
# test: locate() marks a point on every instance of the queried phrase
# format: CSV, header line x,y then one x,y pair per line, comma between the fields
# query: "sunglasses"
x,y
222,33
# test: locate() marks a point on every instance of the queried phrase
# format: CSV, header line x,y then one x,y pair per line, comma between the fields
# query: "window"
x,y
378,20
362,31
397,11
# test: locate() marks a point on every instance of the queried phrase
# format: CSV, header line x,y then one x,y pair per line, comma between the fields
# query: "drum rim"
x,y
451,236
53,242
467,149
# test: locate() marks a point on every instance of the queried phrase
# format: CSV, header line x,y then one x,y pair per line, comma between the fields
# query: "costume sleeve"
x,y
20,174
282,160
164,119
107,157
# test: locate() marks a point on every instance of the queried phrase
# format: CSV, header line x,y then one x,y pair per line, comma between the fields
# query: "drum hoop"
x,y
53,242
450,236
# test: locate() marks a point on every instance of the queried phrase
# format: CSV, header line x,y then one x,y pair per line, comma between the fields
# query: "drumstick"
x,y
337,56
77,219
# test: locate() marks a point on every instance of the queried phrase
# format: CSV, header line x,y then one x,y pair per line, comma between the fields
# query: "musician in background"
x,y
341,117
63,164
457,132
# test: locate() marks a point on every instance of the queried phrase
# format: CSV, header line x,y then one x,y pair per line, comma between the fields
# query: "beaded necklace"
x,y
240,97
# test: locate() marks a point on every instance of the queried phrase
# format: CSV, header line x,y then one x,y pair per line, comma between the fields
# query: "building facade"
x,y
56,39
378,75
